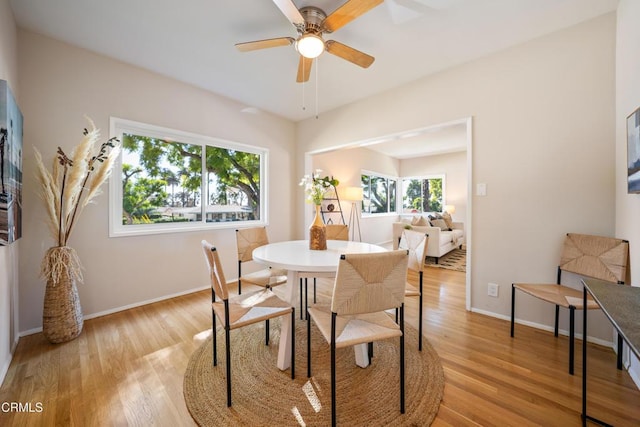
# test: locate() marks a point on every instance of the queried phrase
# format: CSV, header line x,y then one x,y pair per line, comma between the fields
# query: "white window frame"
x,y
422,177
119,126
393,210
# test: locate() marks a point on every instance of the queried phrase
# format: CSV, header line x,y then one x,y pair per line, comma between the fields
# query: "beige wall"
x,y
627,100
454,167
60,84
8,254
543,142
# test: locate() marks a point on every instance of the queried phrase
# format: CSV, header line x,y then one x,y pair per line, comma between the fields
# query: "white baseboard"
x,y
5,368
125,307
543,327
633,367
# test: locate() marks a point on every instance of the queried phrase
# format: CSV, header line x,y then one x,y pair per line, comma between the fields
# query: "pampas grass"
x,y
74,181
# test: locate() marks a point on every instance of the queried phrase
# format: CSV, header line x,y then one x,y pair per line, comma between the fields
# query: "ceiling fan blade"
x,y
347,13
349,53
264,44
290,10
304,69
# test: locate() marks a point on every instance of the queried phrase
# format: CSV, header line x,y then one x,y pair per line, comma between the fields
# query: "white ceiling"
x,y
193,41
429,141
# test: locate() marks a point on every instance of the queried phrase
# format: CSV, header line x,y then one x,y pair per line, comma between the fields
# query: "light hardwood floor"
x,y
127,368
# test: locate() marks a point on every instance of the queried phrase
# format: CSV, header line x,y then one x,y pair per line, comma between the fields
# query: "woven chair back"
x,y
337,232
216,275
248,239
416,243
599,257
372,282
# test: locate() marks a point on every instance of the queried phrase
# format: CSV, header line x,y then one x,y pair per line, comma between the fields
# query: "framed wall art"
x,y
633,152
10,167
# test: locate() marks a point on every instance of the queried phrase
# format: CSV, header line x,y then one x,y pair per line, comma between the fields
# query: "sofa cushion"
x,y
440,223
445,238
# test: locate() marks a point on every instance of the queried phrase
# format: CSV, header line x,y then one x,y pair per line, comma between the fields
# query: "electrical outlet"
x,y
492,290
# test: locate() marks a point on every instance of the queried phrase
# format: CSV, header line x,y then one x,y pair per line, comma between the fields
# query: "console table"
x,y
621,305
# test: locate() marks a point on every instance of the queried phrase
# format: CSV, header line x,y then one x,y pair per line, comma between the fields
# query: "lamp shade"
x,y
310,46
450,209
352,193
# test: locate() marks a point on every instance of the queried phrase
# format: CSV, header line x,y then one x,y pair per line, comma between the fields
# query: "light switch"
x,y
481,189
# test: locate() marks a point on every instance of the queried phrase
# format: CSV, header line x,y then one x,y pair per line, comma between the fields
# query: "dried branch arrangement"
x,y
72,184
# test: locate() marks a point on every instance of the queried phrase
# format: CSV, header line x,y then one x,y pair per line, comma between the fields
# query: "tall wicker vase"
x,y
318,233
62,318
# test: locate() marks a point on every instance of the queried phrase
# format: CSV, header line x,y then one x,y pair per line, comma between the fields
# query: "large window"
x,y
170,180
422,194
379,193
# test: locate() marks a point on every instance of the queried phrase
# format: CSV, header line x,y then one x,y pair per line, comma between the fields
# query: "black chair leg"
x,y
402,403
228,352
266,332
333,369
314,290
420,317
620,347
308,346
513,308
370,350
293,343
306,301
215,339
555,329
572,329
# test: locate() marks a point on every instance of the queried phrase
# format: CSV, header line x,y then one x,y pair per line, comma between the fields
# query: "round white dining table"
x,y
300,261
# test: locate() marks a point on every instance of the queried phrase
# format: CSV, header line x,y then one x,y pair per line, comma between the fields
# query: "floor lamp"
x,y
354,195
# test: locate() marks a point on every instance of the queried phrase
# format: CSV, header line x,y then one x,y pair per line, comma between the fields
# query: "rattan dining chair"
x,y
241,310
365,286
598,257
333,232
247,239
337,232
416,243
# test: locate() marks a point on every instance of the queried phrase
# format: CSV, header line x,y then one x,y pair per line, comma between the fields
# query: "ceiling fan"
x,y
311,23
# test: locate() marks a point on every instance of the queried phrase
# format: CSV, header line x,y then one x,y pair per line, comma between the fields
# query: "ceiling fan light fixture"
x,y
310,45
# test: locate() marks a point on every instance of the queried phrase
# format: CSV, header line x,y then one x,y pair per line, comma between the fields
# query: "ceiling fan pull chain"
x,y
317,72
304,106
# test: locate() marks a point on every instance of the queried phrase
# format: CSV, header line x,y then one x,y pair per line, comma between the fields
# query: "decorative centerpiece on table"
x,y
72,184
315,188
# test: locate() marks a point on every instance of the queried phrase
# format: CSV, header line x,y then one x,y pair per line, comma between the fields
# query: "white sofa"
x,y
440,242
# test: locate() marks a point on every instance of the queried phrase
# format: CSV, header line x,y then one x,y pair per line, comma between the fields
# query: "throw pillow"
x,y
440,223
447,218
419,221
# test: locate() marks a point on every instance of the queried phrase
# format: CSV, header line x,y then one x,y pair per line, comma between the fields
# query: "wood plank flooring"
x,y
127,368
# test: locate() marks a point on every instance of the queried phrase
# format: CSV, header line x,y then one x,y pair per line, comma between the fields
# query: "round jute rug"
x,y
262,395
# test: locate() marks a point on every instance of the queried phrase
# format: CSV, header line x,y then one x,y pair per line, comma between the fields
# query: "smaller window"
x,y
422,194
379,193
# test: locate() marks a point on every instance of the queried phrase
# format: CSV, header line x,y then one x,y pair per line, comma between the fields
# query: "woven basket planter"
x,y
62,318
